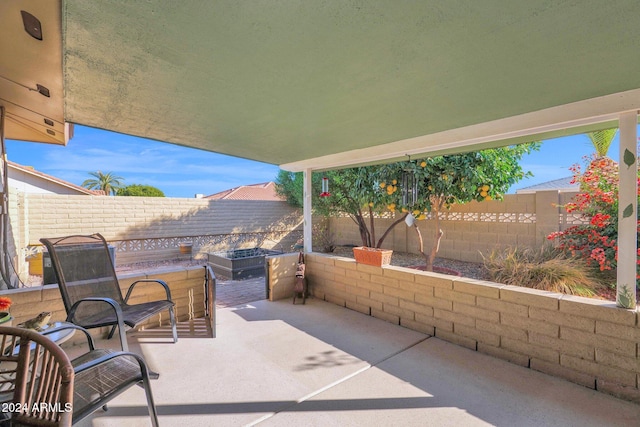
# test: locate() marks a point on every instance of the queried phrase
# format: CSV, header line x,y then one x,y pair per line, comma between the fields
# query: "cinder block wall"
x,y
186,285
281,273
583,340
138,220
471,229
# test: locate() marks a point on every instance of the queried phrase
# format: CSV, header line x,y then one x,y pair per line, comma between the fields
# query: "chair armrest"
x,y
68,325
113,355
160,282
114,305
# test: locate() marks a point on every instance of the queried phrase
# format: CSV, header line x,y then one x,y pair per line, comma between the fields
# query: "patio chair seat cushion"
x,y
132,315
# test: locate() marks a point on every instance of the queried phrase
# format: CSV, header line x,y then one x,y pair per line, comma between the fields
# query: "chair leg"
x,y
172,318
122,333
113,329
153,413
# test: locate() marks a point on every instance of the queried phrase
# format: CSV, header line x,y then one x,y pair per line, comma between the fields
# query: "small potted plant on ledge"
x,y
5,315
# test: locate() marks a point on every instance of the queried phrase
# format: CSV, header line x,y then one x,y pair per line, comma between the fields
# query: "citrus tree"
x,y
456,179
366,192
351,194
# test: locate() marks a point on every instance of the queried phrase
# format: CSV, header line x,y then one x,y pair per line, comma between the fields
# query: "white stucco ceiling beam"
x,y
577,117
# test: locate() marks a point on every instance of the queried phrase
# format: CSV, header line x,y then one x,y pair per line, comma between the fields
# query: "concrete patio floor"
x,y
278,364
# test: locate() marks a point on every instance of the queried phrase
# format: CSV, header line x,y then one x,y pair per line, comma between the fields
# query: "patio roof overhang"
x,y
320,84
326,84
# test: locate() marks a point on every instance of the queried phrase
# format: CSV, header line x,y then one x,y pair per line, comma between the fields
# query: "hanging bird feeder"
x,y
325,187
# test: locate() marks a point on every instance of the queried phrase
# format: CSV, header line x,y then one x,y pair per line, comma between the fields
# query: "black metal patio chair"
x,y
40,386
90,290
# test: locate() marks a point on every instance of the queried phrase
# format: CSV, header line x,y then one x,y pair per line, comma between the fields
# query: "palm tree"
x,y
107,182
601,140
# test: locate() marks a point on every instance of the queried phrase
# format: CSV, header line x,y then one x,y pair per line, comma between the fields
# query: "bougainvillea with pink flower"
x,y
597,201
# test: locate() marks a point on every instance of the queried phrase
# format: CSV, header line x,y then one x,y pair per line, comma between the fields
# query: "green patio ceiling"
x,y
285,81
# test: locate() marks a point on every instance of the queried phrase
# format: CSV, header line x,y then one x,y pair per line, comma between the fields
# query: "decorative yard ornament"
x,y
410,220
325,187
409,186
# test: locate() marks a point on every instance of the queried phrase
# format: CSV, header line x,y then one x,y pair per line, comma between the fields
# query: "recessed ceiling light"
x,y
31,25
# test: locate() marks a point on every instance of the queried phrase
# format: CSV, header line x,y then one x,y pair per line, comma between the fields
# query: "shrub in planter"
x,y
546,269
595,242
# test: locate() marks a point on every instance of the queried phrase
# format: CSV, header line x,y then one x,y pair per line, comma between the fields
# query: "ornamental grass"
x,y
545,269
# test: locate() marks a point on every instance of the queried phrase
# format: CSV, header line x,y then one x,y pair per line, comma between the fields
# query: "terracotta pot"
x,y
372,256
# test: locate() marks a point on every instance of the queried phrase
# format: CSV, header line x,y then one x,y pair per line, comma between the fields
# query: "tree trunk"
x,y
364,232
432,255
436,241
436,206
372,235
362,228
391,227
420,243
434,250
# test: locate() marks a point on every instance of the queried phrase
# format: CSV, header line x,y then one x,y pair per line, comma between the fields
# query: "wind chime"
x,y
409,192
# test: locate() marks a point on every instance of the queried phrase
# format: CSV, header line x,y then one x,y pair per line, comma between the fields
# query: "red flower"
x,y
5,303
600,220
597,201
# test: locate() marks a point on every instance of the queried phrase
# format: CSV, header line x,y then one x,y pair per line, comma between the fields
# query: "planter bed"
x,y
240,264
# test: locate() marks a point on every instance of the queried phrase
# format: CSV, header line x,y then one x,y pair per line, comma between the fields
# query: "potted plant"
x,y
372,256
5,315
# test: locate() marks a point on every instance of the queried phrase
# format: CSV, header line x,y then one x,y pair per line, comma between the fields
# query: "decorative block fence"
x,y
152,228
586,341
522,220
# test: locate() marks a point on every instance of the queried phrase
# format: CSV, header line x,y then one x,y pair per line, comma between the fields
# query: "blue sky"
x,y
178,171
184,172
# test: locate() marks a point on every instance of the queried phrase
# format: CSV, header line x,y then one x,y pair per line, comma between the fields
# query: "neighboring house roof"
x,y
262,191
28,180
562,185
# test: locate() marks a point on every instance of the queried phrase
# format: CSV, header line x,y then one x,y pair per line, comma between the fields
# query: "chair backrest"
x,y
36,379
84,268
